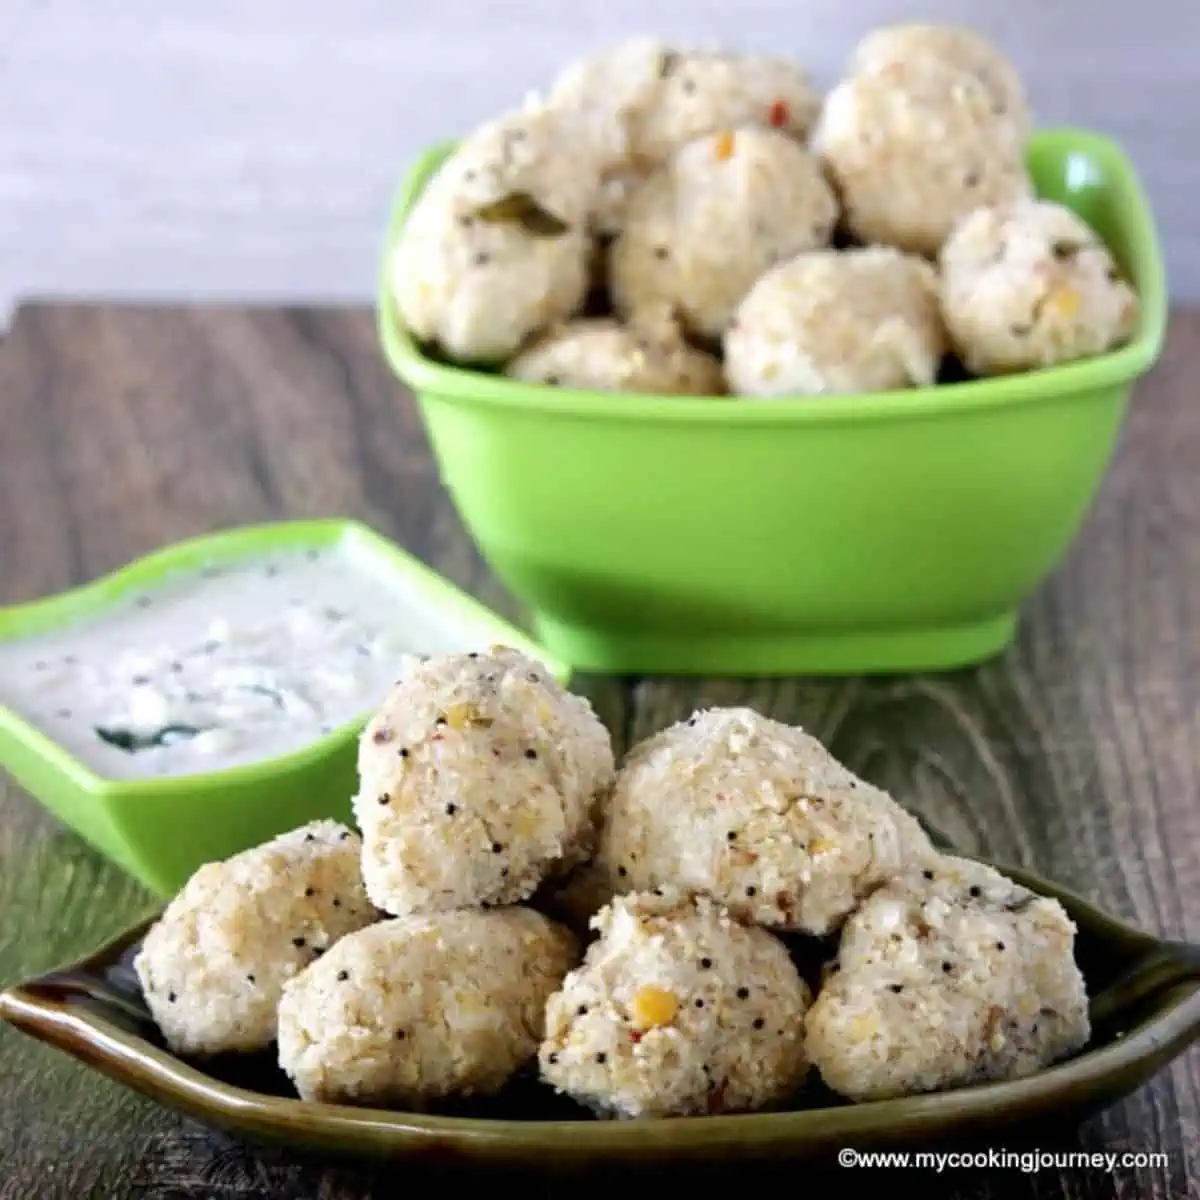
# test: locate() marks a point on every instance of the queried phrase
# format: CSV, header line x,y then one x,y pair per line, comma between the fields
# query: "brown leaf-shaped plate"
x,y
1145,1010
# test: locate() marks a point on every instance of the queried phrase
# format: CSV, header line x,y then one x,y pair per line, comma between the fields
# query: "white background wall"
x,y
248,148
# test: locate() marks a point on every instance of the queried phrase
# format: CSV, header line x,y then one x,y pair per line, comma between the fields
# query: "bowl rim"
x,y
188,555
427,376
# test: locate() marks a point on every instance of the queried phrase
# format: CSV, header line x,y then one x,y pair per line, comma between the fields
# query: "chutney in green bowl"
x,y
159,811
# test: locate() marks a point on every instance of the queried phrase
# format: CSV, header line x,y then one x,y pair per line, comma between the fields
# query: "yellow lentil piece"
x,y
458,716
654,1006
1064,303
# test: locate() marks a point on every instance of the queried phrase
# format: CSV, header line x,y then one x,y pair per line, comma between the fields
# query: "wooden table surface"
x,y
122,429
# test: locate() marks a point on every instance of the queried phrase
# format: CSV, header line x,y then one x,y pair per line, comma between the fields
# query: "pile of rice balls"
x,y
699,928
700,222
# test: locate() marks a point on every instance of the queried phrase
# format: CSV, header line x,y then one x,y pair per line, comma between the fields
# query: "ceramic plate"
x,y
1146,1010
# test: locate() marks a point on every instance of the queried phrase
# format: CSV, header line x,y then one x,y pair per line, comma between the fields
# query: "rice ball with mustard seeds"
x,y
642,100
213,966
948,976
421,1008
911,147
496,247
956,45
827,322
647,353
478,778
678,1009
704,92
710,221
608,93
758,815
1029,285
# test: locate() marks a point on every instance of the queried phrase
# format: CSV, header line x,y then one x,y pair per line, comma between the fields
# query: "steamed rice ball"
x,y
645,354
417,1009
758,815
707,92
955,45
496,247
642,100
830,322
609,93
948,976
708,223
213,966
677,1010
478,779
653,98
1030,285
532,151
912,147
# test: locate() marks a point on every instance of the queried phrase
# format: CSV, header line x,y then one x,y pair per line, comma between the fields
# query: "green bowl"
x,y
160,830
849,534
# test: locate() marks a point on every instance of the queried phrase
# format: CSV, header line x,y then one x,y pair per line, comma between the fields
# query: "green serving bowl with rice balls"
x,y
872,533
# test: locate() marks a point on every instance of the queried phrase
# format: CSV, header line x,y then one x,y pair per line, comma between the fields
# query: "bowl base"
x,y
775,653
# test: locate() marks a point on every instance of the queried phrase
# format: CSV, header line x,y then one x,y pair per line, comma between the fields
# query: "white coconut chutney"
x,y
233,664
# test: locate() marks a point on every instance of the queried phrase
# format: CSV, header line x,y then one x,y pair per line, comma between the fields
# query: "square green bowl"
x,y
829,535
160,830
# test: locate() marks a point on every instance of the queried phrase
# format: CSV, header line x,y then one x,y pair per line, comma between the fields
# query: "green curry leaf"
x,y
522,209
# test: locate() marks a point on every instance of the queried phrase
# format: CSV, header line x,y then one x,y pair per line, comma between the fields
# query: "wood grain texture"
x,y
125,428
215,148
